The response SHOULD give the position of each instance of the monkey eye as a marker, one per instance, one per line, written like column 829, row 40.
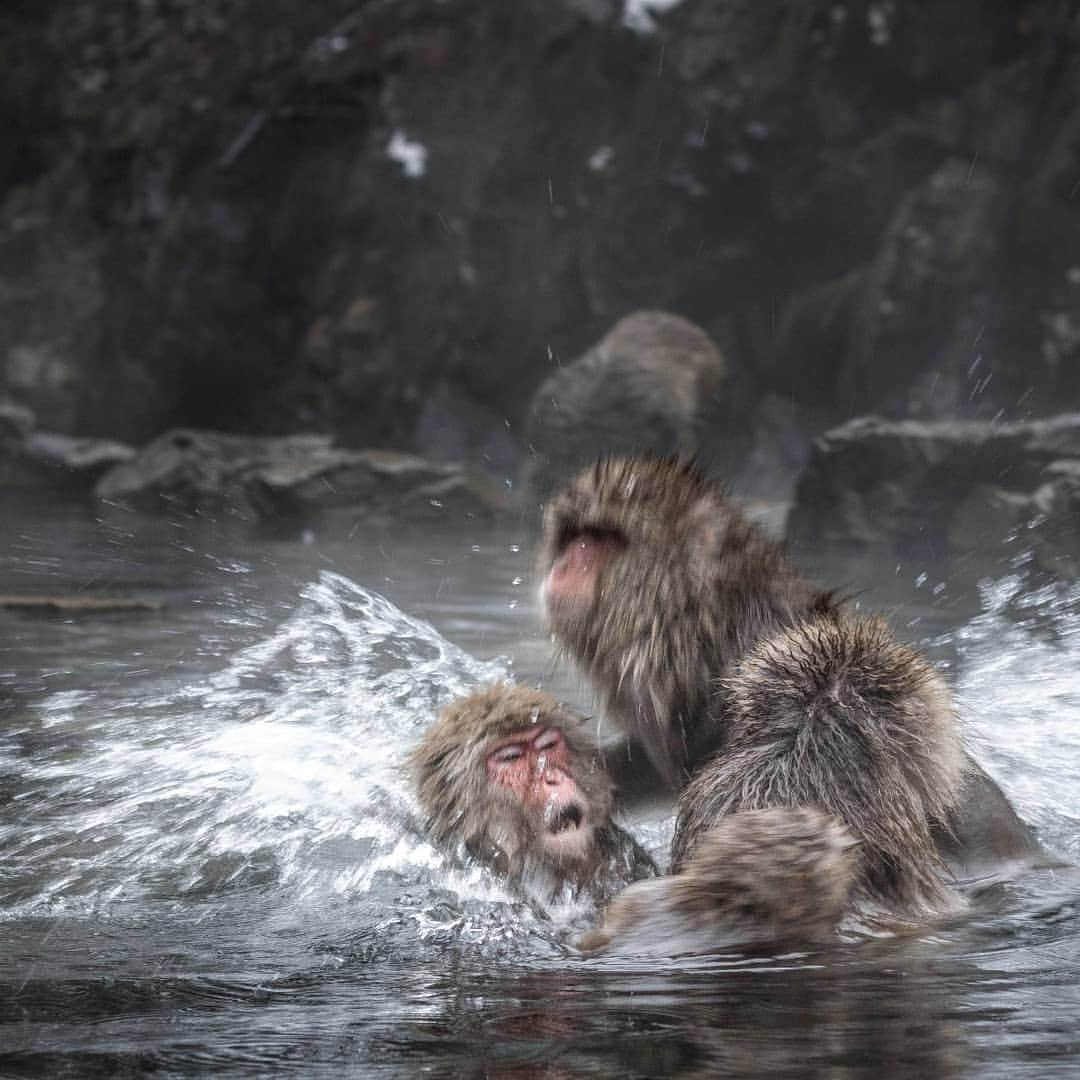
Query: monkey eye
column 567, row 532
column 604, row 536
column 504, row 755
column 547, row 740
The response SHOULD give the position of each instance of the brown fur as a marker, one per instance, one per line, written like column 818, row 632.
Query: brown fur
column 759, row 876
column 696, row 587
column 838, row 714
column 712, row 651
column 462, row 806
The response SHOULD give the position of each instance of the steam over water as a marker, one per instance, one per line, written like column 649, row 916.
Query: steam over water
column 210, row 860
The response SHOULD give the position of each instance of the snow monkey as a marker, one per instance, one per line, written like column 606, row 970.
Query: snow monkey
column 840, row 753
column 740, row 678
column 511, row 774
column 507, row 773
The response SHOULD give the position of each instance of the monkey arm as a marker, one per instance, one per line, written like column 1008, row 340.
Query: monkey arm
column 983, row 835
column 757, row 877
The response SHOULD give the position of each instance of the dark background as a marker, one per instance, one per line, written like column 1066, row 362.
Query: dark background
column 870, row 207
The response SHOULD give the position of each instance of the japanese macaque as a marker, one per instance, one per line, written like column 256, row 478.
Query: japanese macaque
column 656, row 585
column 655, row 383
column 714, row 655
column 511, row 774
column 838, row 715
column 840, row 753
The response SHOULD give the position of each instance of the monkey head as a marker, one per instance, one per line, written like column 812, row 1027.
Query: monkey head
column 601, row 538
column 654, row 582
column 509, row 772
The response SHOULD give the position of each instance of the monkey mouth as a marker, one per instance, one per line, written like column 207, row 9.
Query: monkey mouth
column 564, row 819
column 568, row 835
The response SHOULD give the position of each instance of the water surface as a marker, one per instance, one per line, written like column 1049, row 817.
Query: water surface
column 210, row 862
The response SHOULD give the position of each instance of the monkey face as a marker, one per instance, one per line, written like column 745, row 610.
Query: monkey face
column 628, row 547
column 534, row 769
column 570, row 587
column 513, row 776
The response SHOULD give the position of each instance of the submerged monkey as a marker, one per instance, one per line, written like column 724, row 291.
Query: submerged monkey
column 709, row 649
column 512, row 775
column 778, row 877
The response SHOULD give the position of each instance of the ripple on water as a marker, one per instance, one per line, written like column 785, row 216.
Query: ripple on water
column 285, row 765
column 221, row 871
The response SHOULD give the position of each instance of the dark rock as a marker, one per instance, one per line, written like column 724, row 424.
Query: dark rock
column 915, row 342
column 815, row 329
column 655, row 383
column 16, row 422
column 81, row 461
column 926, row 487
column 1044, row 522
column 44, row 459
column 990, row 515
column 206, row 472
column 254, row 478
column 381, row 220
column 1057, row 532
column 452, row 426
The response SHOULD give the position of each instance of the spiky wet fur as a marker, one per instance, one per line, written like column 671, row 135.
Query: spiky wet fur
column 775, row 876
column 708, row 647
column 696, row 587
column 462, row 806
column 837, row 714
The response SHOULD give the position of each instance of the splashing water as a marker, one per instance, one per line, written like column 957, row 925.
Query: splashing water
column 1019, row 694
column 210, row 860
column 285, row 765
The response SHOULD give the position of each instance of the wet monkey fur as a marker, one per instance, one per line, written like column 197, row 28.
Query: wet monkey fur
column 838, row 715
column 841, row 752
column 509, row 773
column 656, row 585
column 750, row 689
column 759, row 877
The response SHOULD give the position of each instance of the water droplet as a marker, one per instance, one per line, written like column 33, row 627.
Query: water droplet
column 601, row 158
